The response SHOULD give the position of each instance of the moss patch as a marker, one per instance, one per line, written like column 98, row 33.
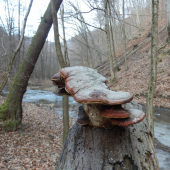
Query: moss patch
column 10, row 117
column 112, row 80
column 4, row 111
column 11, row 125
column 118, row 68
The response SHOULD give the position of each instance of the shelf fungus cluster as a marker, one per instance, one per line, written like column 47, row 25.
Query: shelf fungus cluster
column 101, row 106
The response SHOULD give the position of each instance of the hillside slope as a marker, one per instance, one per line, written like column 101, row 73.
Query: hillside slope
column 136, row 79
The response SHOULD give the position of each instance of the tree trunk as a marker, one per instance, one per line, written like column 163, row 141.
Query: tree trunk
column 19, row 35
column 62, row 65
column 67, row 60
column 42, row 64
column 65, row 116
column 11, row 109
column 108, row 41
column 168, row 18
column 119, row 148
column 136, row 6
column 153, row 72
column 56, row 35
column 124, row 35
column 112, row 38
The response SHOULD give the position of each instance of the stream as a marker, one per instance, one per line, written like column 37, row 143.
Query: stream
column 49, row 99
column 161, row 123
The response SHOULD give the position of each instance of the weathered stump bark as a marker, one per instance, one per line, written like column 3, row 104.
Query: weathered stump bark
column 88, row 148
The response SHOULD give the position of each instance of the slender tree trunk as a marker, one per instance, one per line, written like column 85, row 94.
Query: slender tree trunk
column 108, row 41
column 98, row 14
column 124, row 35
column 153, row 72
column 136, row 6
column 50, row 64
column 19, row 19
column 19, row 6
column 64, row 37
column 112, row 37
column 119, row 148
column 42, row 64
column 113, row 46
column 115, row 30
column 62, row 64
column 168, row 18
column 56, row 35
column 65, row 115
column 11, row 109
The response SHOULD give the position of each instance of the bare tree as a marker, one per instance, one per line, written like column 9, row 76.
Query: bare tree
column 168, row 18
column 62, row 65
column 112, row 36
column 19, row 6
column 5, row 79
column 124, row 34
column 153, row 72
column 11, row 109
column 108, row 41
column 136, row 8
column 19, row 34
column 87, row 37
column 64, row 36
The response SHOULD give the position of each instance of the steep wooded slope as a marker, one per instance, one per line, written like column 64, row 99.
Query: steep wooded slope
column 136, row 79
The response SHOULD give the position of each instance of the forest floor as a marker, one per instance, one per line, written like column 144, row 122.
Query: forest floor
column 36, row 145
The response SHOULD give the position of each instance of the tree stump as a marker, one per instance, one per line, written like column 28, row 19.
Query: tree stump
column 119, row 148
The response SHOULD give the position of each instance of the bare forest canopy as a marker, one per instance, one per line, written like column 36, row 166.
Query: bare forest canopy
column 87, row 44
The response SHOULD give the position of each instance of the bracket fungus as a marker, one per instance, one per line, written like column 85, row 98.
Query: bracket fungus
column 136, row 116
column 62, row 92
column 102, row 106
column 116, row 111
column 83, row 118
column 58, row 81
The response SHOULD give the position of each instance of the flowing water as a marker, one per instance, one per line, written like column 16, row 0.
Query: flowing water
column 49, row 99
column 162, row 135
column 161, row 124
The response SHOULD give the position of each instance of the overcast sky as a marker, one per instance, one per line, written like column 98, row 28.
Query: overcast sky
column 37, row 11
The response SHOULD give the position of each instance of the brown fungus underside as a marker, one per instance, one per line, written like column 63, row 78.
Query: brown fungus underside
column 101, row 105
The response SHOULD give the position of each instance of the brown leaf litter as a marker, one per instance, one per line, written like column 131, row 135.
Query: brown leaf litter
column 36, row 145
